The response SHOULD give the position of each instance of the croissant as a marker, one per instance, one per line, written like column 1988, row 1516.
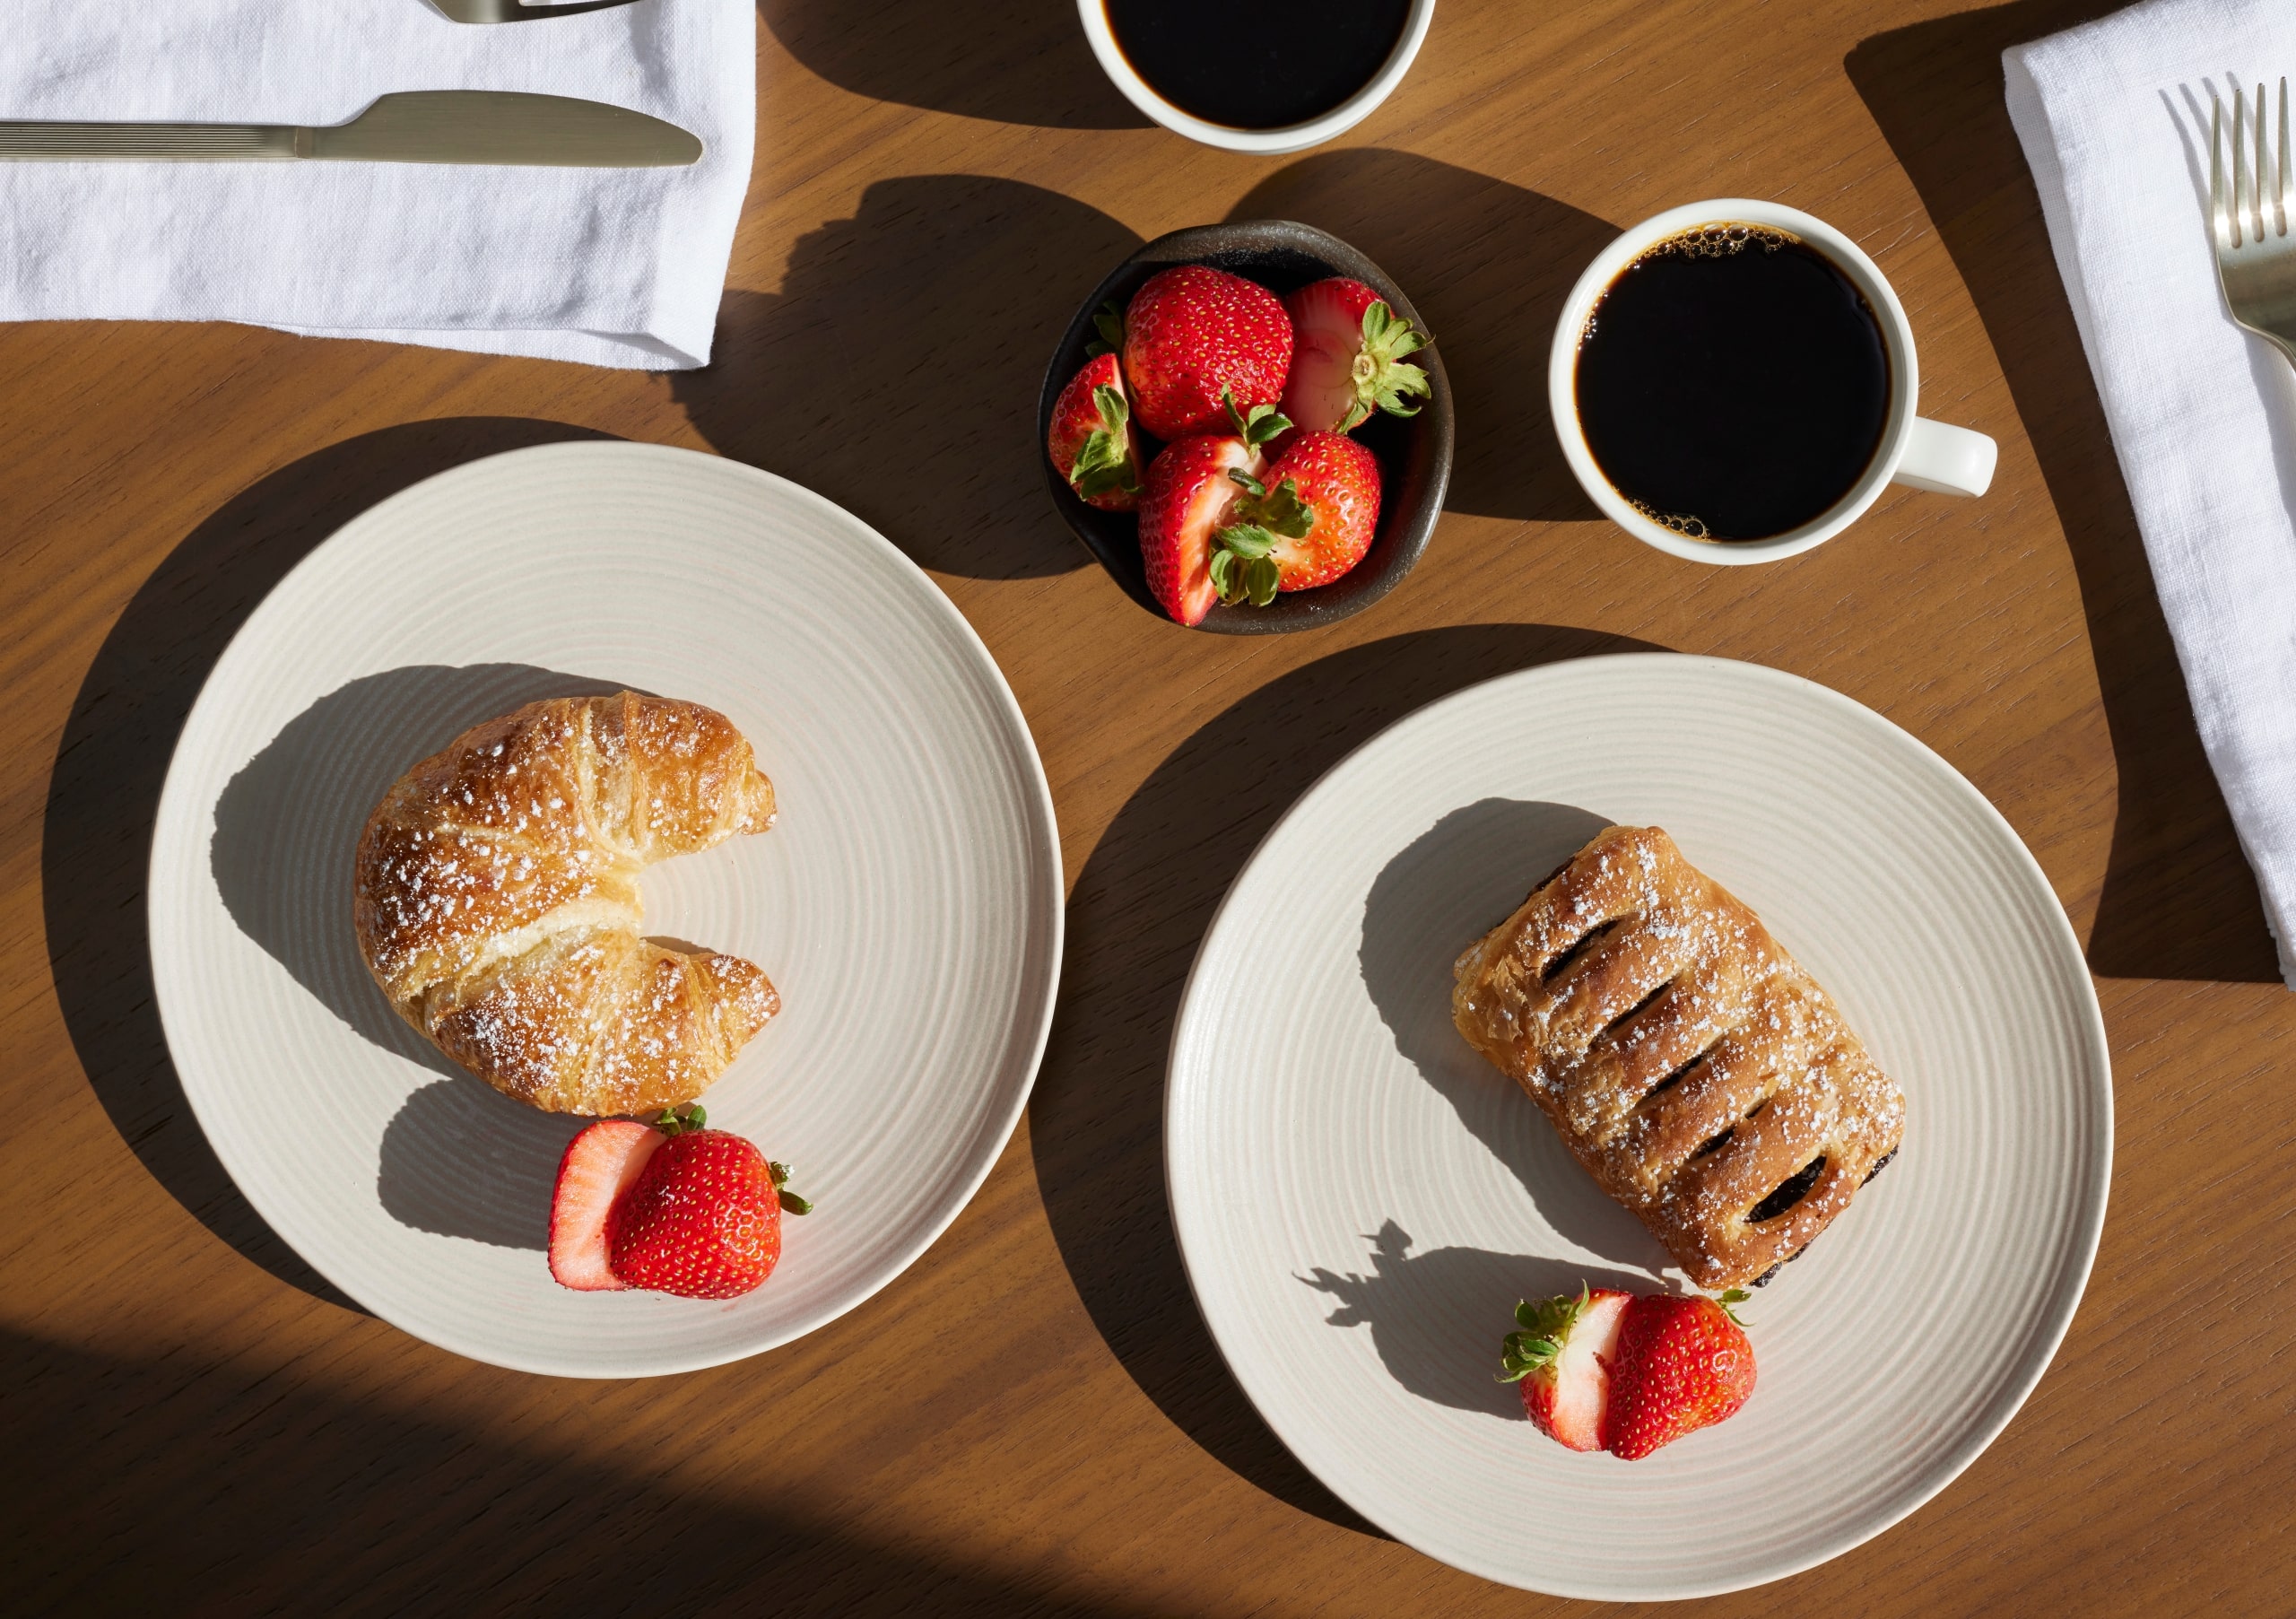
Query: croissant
column 1702, row 1076
column 495, row 897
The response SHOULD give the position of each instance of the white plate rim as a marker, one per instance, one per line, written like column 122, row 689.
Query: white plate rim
column 2042, row 1346
column 174, row 805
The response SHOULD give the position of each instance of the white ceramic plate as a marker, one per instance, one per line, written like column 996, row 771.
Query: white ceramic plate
column 908, row 904
column 1360, row 1200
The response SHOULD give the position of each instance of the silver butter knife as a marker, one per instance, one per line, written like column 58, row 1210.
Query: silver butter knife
column 417, row 126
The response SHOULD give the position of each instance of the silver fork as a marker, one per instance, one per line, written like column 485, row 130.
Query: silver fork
column 513, row 11
column 2256, row 257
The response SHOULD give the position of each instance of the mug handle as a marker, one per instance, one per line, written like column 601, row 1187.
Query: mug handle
column 1946, row 460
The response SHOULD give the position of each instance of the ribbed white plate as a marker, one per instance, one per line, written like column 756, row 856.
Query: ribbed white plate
column 1360, row 1200
column 908, row 905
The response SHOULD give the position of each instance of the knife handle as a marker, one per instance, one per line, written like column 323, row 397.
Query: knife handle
column 44, row 141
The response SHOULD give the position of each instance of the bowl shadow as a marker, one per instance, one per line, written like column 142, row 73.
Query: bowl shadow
column 2178, row 900
column 1135, row 916
column 1426, row 1312
column 112, row 760
column 459, row 1159
column 1443, row 890
column 895, row 369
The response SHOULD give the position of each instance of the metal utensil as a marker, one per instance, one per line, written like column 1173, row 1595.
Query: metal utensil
column 2256, row 257
column 417, row 126
column 516, row 10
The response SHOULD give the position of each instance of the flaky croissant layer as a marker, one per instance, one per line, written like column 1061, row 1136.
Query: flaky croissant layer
column 495, row 897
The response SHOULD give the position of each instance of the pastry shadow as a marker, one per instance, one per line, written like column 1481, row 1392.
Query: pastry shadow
column 458, row 1158
column 1447, row 887
column 1437, row 1318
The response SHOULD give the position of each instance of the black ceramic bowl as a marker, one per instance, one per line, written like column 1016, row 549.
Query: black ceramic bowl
column 1414, row 452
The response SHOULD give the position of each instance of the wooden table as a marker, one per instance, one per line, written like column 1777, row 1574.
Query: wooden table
column 1033, row 1418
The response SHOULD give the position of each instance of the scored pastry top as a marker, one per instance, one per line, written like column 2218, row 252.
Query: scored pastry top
column 1702, row 1076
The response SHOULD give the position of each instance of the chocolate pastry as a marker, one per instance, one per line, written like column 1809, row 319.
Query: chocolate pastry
column 1703, row 1078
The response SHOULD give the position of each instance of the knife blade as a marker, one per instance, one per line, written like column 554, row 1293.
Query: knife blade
column 498, row 126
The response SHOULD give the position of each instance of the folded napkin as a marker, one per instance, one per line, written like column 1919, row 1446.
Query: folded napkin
column 2114, row 116
column 620, row 267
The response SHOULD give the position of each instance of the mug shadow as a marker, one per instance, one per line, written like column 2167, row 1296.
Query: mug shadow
column 1437, row 1318
column 459, row 1159
column 1450, row 885
column 1488, row 265
column 977, row 58
column 2178, row 900
column 896, row 371
column 1135, row 916
column 112, row 760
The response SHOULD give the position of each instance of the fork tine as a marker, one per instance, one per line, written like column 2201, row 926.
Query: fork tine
column 2240, row 166
column 2263, row 167
column 2217, row 222
column 2279, row 190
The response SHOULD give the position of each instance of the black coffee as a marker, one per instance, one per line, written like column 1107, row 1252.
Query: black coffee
column 1733, row 383
column 1264, row 65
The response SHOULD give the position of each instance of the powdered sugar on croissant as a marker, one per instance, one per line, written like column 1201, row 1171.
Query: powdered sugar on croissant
column 496, row 901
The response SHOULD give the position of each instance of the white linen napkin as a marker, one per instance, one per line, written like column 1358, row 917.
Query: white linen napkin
column 619, row 268
column 2114, row 116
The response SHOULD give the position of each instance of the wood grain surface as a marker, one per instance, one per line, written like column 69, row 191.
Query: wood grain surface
column 1033, row 1419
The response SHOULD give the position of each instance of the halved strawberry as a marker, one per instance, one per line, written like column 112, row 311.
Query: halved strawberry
column 1194, row 337
column 1348, row 349
column 1091, row 439
column 1561, row 1358
column 1190, row 490
column 1310, row 520
column 596, row 1168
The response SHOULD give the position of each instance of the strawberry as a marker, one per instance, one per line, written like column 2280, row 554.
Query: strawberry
column 703, row 1219
column 1348, row 357
column 1314, row 525
column 1681, row 1364
column 1091, row 439
column 1193, row 336
column 596, row 1168
column 1563, row 1359
column 1190, row 490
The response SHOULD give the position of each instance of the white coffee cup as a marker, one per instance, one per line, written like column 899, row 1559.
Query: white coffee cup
column 1295, row 137
column 1913, row 450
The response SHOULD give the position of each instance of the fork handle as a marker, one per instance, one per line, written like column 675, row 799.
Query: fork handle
column 1946, row 460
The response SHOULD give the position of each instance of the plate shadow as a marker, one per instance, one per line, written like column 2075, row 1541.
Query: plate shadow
column 1427, row 1310
column 1488, row 265
column 896, row 371
column 2178, row 900
column 1135, row 916
column 458, row 1158
column 1447, row 887
column 112, row 760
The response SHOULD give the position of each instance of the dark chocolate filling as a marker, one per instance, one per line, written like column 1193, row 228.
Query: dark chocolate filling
column 1790, row 1191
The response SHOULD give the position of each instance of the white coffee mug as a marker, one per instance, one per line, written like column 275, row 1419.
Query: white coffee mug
column 1266, row 143
column 1913, row 450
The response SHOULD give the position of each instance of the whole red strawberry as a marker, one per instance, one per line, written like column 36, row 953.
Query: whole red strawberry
column 1091, row 440
column 1348, row 357
column 1309, row 521
column 1193, row 337
column 1681, row 1364
column 703, row 1219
